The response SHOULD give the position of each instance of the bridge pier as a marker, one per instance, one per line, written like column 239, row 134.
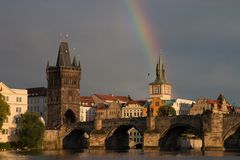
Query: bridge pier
column 97, row 136
column 52, row 140
column 212, row 132
column 150, row 136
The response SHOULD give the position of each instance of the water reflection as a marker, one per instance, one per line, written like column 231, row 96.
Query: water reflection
column 116, row 155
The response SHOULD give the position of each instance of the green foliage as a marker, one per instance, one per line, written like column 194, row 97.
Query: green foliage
column 8, row 145
column 31, row 131
column 5, row 146
column 4, row 110
column 166, row 111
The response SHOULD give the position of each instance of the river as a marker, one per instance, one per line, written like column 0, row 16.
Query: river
column 114, row 155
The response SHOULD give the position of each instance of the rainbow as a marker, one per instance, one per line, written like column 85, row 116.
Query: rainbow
column 144, row 30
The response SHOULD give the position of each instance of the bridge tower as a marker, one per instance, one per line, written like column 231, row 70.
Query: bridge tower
column 63, row 89
column 160, row 88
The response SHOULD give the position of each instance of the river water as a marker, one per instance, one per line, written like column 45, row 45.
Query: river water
column 116, row 155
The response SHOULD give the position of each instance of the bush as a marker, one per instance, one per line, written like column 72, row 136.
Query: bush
column 166, row 111
column 4, row 110
column 31, row 131
column 6, row 146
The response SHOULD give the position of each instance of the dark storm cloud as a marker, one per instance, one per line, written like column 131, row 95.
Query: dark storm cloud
column 200, row 42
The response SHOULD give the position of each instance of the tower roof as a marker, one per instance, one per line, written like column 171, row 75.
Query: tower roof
column 63, row 55
column 160, row 72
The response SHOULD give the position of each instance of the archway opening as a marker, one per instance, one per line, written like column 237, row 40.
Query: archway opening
column 232, row 143
column 124, row 137
column 70, row 116
column 181, row 138
column 77, row 139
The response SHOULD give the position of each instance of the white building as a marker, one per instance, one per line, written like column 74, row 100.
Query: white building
column 37, row 101
column 181, row 106
column 87, row 109
column 133, row 109
column 17, row 100
column 135, row 138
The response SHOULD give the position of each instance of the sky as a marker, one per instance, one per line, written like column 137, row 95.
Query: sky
column 199, row 41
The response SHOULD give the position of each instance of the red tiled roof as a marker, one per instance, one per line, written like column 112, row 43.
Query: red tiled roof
column 219, row 104
column 139, row 102
column 238, row 110
column 101, row 106
column 112, row 97
column 87, row 100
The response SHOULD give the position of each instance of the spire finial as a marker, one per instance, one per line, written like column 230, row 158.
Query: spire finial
column 74, row 63
column 160, row 71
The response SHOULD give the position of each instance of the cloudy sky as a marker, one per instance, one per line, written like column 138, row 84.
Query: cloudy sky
column 199, row 40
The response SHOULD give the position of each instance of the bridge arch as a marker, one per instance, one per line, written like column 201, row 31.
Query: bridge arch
column 117, row 138
column 69, row 116
column 76, row 139
column 178, row 136
column 231, row 138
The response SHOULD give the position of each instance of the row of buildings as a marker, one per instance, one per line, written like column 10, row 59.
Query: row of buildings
column 61, row 101
column 106, row 106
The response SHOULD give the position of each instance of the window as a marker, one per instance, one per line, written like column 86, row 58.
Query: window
column 19, row 99
column 6, row 98
column 18, row 109
column 156, row 90
column 4, row 131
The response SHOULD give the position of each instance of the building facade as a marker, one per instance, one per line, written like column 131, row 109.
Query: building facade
column 133, row 109
column 108, row 111
column 220, row 105
column 160, row 87
column 37, row 101
column 87, row 109
column 63, row 89
column 17, row 100
column 135, row 138
column 181, row 106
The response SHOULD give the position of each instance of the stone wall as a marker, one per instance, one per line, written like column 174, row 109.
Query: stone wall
column 213, row 129
column 52, row 140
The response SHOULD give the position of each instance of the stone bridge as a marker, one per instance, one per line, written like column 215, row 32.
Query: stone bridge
column 217, row 132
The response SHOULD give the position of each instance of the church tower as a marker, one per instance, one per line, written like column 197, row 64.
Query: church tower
column 63, row 89
column 160, row 88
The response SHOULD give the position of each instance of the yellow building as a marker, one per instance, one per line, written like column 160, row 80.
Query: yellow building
column 155, row 103
column 17, row 100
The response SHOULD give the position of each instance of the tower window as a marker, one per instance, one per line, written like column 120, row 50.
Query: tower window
column 156, row 90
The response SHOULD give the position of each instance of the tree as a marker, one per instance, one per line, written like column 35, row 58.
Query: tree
column 31, row 131
column 4, row 110
column 166, row 111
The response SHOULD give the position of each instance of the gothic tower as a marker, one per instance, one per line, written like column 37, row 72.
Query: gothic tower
column 63, row 89
column 160, row 87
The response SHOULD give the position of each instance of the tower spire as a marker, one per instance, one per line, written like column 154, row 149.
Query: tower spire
column 63, row 55
column 160, row 71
